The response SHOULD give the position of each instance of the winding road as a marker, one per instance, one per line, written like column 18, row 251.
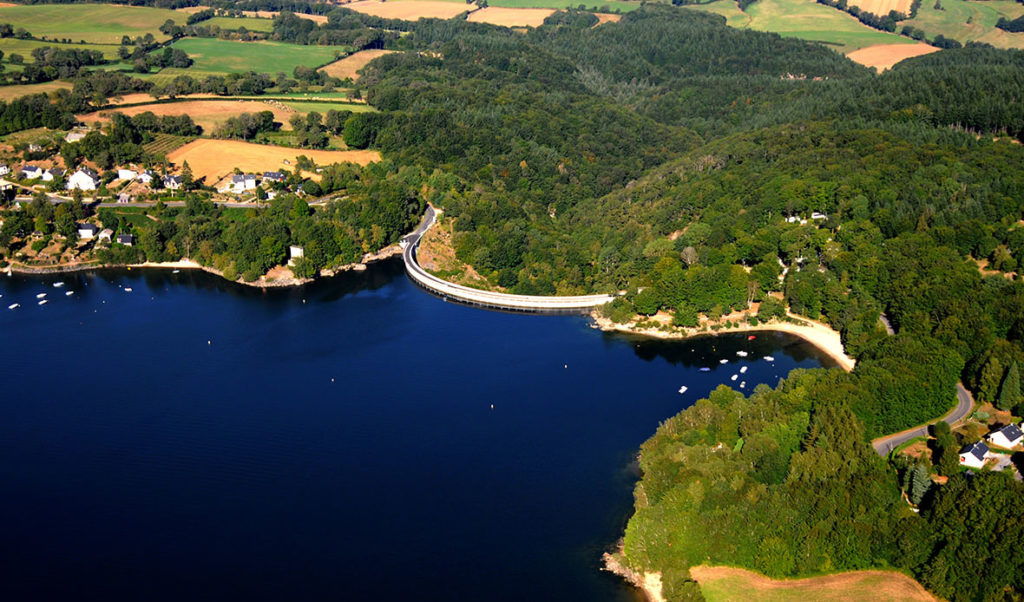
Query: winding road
column 489, row 299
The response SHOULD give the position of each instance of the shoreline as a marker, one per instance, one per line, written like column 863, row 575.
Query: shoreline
column 816, row 333
column 189, row 264
column 648, row 583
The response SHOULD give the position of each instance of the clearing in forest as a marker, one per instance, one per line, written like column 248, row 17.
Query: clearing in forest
column 207, row 114
column 94, row 23
column 883, row 7
column 969, row 21
column 214, row 159
column 411, row 10
column 884, row 56
column 511, row 17
column 803, row 19
column 227, row 56
column 349, row 66
column 722, row 584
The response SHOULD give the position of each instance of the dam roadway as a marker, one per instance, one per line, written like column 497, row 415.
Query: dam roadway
column 488, row 299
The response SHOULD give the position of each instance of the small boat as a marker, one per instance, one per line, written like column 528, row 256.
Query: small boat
column 175, row 271
column 43, row 302
column 723, row 361
column 743, row 370
column 743, row 384
column 733, row 377
column 742, row 353
column 751, row 338
column 682, row 390
column 40, row 295
column 58, row 284
column 705, row 369
column 69, row 293
column 14, row 305
column 769, row 358
column 127, row 289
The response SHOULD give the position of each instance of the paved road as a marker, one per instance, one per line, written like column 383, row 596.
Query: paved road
column 964, row 404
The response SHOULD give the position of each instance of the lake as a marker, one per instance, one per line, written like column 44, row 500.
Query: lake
column 355, row 439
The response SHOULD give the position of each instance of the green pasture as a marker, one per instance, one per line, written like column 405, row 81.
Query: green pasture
column 225, row 56
column 969, row 21
column 94, row 23
column 323, row 107
column 611, row 5
column 25, row 47
column 232, row 23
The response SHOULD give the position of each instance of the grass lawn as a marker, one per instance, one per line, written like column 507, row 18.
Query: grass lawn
column 224, row 56
column 804, row 19
column 611, row 5
column 135, row 216
column 952, row 21
column 725, row 584
column 95, row 23
column 25, row 47
column 323, row 107
column 9, row 93
column 264, row 25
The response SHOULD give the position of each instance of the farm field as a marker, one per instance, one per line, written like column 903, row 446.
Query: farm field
column 884, row 56
column 9, row 93
column 613, row 5
column 302, row 106
column 225, row 56
column 410, row 10
column 350, row 65
column 883, row 7
column 511, row 17
column 804, row 19
column 214, row 159
column 970, row 21
column 266, row 14
column 252, row 24
column 25, row 47
column 165, row 143
column 208, row 114
column 723, row 584
column 94, row 23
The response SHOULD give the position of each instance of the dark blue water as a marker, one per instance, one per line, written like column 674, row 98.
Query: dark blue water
column 193, row 439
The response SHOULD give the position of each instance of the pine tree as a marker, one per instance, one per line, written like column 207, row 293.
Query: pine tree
column 920, row 483
column 991, row 376
column 186, row 176
column 1009, row 394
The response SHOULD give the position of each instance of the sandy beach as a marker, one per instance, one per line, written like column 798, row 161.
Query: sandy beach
column 818, row 334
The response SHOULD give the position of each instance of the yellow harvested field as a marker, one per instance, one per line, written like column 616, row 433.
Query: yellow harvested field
column 603, row 18
column 266, row 14
column 410, row 10
column 9, row 93
column 351, row 64
column 884, row 56
column 511, row 17
column 214, row 159
column 882, row 7
column 722, row 583
column 206, row 113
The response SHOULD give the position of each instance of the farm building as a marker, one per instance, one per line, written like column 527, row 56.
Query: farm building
column 127, row 174
column 87, row 231
column 1009, row 436
column 974, row 455
column 83, row 179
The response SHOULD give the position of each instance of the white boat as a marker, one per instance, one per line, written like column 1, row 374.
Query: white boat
column 682, row 390
column 705, row 369
column 769, row 358
column 743, row 384
column 733, row 377
column 40, row 295
column 723, row 361
column 69, row 293
column 175, row 271
column 43, row 302
column 743, row 370
column 58, row 284
column 742, row 353
column 13, row 305
column 127, row 289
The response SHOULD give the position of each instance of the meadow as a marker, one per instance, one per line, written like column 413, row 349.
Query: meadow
column 612, row 5
column 9, row 93
column 970, row 21
column 803, row 19
column 232, row 23
column 723, row 584
column 93, row 23
column 25, row 47
column 349, row 66
column 224, row 56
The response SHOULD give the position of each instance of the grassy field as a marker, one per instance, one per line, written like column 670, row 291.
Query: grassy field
column 264, row 25
column 725, row 584
column 611, row 5
column 95, row 23
column 804, row 19
column 25, row 47
column 9, row 93
column 970, row 21
column 351, row 64
column 323, row 107
column 223, row 56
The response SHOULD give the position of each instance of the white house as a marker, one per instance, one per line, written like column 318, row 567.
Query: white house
column 74, row 136
column 243, row 182
column 124, row 239
column 817, row 215
column 31, row 172
column 127, row 174
column 4, row 170
column 273, row 176
column 172, row 182
column 1007, row 437
column 87, row 230
column 105, row 234
column 51, row 174
column 124, row 198
column 974, row 455
column 294, row 252
column 83, row 179
column 146, row 177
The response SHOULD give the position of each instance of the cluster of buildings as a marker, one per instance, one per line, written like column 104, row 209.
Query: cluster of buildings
column 977, row 454
column 87, row 231
column 248, row 182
